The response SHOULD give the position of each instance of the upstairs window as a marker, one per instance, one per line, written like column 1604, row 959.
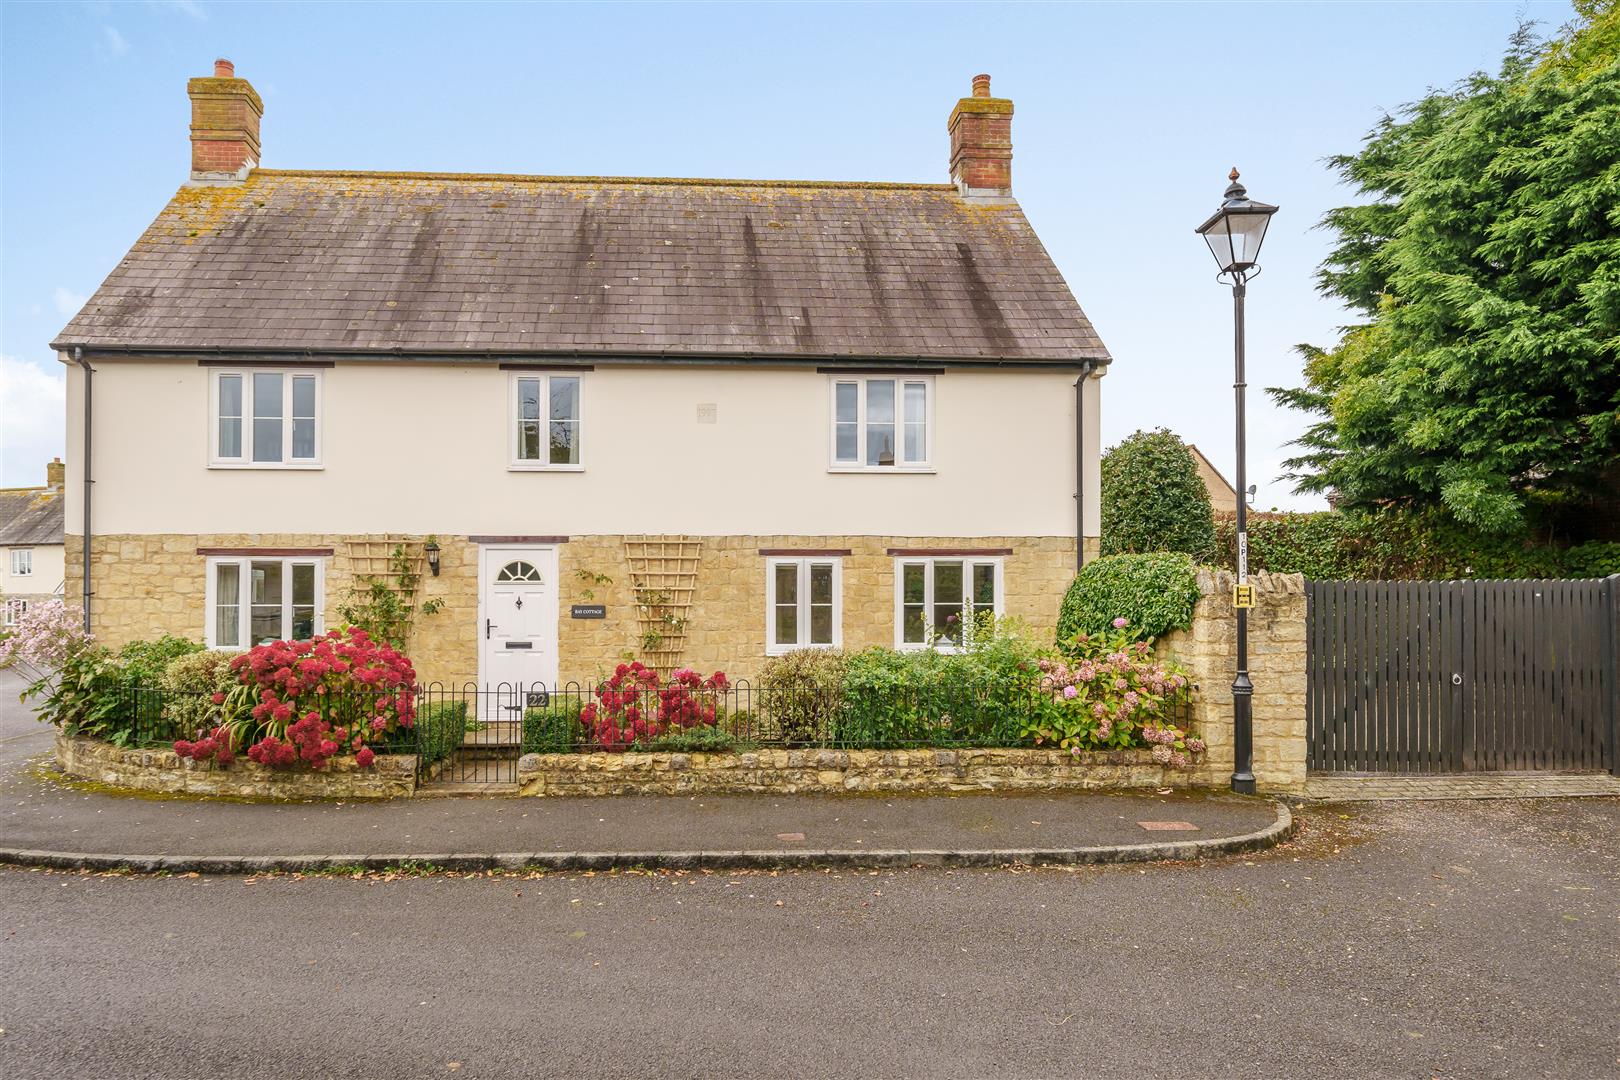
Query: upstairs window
column 266, row 419
column 803, row 604
column 934, row 597
column 545, row 421
column 882, row 424
column 22, row 562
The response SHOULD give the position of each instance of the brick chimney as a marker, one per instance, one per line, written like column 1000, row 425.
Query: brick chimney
column 55, row 473
column 981, row 142
column 225, row 114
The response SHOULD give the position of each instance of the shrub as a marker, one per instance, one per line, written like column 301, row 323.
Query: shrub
column 1153, row 498
column 79, row 685
column 1320, row 546
column 440, row 728
column 635, row 706
column 1113, row 693
column 311, row 700
column 1154, row 593
column 554, row 728
column 1397, row 543
column 699, row 740
column 981, row 696
column 189, row 684
column 144, row 662
column 1597, row 559
column 801, row 692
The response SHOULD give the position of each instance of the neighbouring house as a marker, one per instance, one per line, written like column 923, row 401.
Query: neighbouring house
column 701, row 421
column 1222, row 495
column 31, row 544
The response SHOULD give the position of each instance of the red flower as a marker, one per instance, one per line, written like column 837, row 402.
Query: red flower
column 364, row 757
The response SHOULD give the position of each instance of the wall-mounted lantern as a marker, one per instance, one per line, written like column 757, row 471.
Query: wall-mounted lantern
column 431, row 549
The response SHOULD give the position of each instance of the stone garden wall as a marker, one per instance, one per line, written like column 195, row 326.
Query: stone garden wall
column 159, row 770
column 832, row 771
column 1276, row 667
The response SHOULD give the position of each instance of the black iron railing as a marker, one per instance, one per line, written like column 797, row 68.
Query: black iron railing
column 472, row 732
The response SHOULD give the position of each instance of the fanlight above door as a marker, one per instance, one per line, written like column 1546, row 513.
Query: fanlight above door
column 518, row 571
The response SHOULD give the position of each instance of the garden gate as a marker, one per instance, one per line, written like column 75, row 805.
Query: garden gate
column 1462, row 676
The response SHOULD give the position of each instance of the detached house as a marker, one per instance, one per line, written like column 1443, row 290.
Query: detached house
column 702, row 421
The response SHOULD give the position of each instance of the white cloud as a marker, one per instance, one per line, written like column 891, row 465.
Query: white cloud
column 114, row 41
column 33, row 404
column 67, row 301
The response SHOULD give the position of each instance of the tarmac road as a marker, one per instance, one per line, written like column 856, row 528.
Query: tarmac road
column 1400, row 940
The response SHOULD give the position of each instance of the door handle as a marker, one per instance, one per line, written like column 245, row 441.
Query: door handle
column 487, row 627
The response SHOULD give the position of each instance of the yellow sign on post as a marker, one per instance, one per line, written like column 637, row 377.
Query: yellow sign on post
column 1243, row 596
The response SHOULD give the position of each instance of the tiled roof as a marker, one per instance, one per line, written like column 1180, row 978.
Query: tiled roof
column 433, row 264
column 30, row 516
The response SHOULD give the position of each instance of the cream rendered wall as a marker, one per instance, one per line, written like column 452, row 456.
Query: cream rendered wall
column 47, row 575
column 418, row 448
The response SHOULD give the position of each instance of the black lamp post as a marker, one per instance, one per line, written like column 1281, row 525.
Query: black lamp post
column 1234, row 234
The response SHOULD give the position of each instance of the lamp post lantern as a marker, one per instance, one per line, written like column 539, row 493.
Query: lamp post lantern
column 1234, row 234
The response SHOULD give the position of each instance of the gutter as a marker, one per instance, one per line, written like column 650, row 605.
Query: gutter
column 89, row 416
column 218, row 354
column 1080, row 465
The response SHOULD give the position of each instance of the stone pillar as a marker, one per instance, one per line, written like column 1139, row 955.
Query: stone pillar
column 1276, row 665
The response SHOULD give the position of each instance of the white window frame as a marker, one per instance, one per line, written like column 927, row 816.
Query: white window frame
column 928, row 562
column 25, row 562
column 16, row 607
column 517, row 464
column 930, row 423
column 244, row 460
column 803, row 562
column 244, row 580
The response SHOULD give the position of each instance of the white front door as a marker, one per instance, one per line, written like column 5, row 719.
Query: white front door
column 517, row 617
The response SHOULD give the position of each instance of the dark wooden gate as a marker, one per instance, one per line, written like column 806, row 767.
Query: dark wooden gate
column 1462, row 676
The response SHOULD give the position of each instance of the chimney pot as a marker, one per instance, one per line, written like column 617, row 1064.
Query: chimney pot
column 225, row 113
column 981, row 142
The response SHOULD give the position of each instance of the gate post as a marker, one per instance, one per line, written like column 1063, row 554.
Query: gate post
column 1611, row 667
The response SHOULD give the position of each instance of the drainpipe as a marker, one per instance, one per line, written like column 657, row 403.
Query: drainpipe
column 1080, row 466
column 89, row 415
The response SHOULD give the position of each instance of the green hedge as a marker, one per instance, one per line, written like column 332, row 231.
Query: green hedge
column 1153, row 498
column 440, row 728
column 1399, row 544
column 554, row 728
column 1156, row 592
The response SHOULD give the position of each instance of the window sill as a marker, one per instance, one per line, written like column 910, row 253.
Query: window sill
column 783, row 650
column 912, row 646
column 525, row 467
column 881, row 470
column 268, row 466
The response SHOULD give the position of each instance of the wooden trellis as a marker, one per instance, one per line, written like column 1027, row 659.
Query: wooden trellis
column 373, row 559
column 663, row 576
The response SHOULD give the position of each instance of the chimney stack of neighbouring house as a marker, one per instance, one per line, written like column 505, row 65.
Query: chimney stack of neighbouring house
column 981, row 142
column 225, row 114
column 55, row 473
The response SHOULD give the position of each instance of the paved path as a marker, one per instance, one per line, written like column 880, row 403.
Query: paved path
column 38, row 813
column 1454, row 940
column 1467, row 786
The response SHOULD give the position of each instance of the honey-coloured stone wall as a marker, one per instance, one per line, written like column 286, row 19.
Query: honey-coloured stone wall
column 1277, row 645
column 147, row 585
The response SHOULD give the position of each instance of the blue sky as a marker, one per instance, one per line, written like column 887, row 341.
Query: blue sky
column 1128, row 118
